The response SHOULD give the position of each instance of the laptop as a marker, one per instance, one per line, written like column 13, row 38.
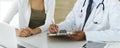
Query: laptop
column 7, row 36
column 91, row 44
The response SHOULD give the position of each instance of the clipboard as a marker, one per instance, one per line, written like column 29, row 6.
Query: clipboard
column 60, row 33
column 60, row 36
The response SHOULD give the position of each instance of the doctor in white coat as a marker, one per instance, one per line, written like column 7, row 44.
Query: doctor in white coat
column 103, row 23
column 23, row 7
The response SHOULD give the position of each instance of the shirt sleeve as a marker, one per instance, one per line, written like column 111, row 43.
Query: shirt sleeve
column 50, row 7
column 11, row 12
column 69, row 23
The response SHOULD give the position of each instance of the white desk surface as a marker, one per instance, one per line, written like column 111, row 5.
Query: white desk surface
column 42, row 41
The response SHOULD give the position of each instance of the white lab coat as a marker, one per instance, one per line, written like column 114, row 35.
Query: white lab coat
column 24, row 9
column 107, row 27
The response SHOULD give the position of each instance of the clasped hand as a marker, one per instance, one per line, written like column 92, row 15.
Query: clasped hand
column 25, row 32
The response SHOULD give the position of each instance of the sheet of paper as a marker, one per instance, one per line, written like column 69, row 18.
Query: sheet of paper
column 60, row 33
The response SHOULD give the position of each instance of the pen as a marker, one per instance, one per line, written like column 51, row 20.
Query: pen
column 54, row 26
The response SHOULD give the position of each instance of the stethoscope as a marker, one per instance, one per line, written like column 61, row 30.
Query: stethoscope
column 102, row 3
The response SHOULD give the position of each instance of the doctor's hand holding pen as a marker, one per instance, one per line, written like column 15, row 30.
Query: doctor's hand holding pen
column 53, row 28
column 76, row 35
column 25, row 32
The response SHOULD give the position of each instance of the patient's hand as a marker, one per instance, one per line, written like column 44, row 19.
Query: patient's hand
column 22, row 32
column 34, row 31
column 25, row 32
column 53, row 28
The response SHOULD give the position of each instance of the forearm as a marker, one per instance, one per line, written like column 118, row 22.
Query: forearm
column 36, row 31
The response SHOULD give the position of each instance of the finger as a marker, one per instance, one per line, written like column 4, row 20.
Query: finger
column 27, row 28
column 53, row 29
column 20, row 33
column 23, row 33
column 24, row 30
column 56, row 28
column 28, row 32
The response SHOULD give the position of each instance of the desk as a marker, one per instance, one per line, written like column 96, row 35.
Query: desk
column 42, row 41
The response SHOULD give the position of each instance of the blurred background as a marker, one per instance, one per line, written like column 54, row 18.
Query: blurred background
column 62, row 8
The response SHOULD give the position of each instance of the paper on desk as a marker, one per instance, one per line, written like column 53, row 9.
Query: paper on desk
column 59, row 34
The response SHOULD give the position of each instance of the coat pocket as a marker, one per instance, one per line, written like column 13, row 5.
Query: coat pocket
column 98, row 17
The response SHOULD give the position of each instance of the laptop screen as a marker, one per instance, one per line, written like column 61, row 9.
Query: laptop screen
column 7, row 36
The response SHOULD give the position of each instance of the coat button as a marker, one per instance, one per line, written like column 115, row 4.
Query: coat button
column 95, row 22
